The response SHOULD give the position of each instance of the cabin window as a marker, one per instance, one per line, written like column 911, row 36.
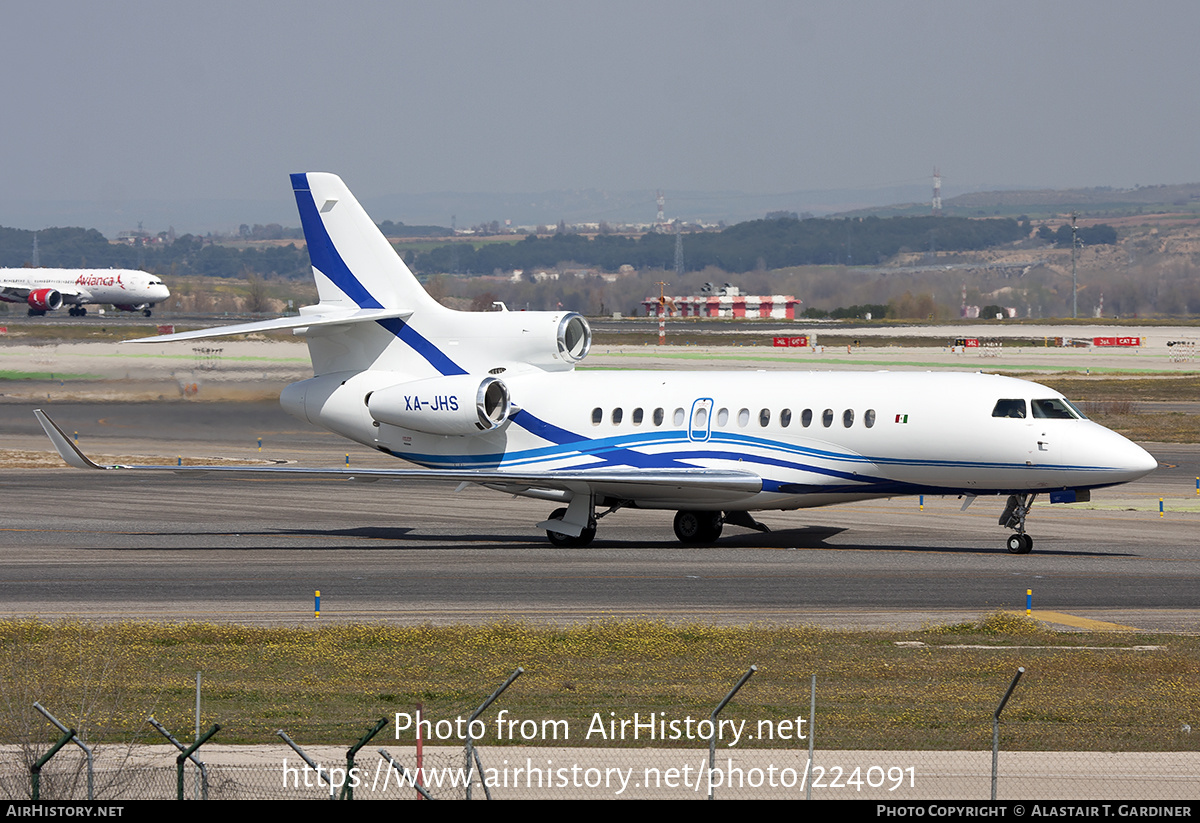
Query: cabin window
column 869, row 418
column 764, row 418
column 1014, row 407
column 597, row 416
column 744, row 418
column 848, row 418
column 637, row 417
column 617, row 414
column 679, row 417
column 700, row 418
column 806, row 418
column 827, row 418
column 785, row 418
column 659, row 416
column 1052, row 409
column 723, row 417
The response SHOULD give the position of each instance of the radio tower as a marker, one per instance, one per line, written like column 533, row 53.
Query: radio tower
column 661, row 202
column 937, row 192
column 679, row 248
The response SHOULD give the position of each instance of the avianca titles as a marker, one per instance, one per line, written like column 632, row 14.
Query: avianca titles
column 50, row 289
column 496, row 399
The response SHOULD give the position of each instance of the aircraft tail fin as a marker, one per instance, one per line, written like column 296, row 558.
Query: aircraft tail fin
column 354, row 265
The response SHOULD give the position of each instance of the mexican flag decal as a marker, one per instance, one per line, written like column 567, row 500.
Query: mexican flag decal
column 902, row 418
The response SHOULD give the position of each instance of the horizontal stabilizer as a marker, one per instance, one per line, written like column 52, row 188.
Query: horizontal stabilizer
column 302, row 321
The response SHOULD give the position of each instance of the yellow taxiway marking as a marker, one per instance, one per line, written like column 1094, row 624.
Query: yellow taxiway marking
column 1081, row 622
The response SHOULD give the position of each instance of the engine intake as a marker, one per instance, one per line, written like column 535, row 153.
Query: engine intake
column 45, row 300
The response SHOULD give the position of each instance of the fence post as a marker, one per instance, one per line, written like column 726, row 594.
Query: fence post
column 199, row 763
column 187, row 753
column 35, row 771
column 86, row 749
column 812, row 737
column 712, row 741
column 316, row 767
column 996, row 727
column 347, row 787
column 470, row 747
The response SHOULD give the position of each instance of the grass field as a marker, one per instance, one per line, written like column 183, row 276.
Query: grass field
column 929, row 689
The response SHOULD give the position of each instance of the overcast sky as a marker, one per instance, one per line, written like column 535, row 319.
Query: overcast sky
column 129, row 100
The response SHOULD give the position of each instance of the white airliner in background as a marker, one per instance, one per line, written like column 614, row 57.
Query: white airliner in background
column 495, row 399
column 50, row 289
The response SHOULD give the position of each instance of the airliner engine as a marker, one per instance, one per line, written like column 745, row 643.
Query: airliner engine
column 45, row 300
column 551, row 341
column 456, row 405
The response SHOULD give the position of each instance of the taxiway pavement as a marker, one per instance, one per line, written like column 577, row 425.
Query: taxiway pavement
column 166, row 547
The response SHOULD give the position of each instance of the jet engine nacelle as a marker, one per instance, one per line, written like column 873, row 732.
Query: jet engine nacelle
column 45, row 300
column 552, row 341
column 131, row 306
column 456, row 405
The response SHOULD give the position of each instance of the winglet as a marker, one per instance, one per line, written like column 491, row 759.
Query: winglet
column 67, row 450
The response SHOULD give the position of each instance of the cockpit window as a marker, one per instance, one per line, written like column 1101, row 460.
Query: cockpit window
column 1052, row 409
column 1009, row 408
column 1075, row 409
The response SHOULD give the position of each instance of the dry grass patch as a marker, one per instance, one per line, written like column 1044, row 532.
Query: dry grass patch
column 328, row 684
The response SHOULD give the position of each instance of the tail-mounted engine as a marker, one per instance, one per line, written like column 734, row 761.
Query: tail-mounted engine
column 553, row 341
column 45, row 300
column 456, row 405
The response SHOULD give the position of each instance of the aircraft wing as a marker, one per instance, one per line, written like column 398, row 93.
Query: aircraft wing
column 20, row 291
column 642, row 484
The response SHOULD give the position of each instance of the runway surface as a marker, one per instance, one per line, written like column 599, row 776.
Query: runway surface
column 112, row 546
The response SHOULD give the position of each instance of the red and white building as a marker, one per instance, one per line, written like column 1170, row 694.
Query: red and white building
column 728, row 304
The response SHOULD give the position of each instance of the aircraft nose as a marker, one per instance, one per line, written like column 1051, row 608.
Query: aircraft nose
column 1127, row 458
column 1139, row 461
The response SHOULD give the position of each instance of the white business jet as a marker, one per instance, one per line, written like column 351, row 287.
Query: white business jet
column 495, row 399
column 50, row 289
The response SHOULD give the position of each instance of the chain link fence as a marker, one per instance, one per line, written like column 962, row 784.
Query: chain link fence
column 543, row 772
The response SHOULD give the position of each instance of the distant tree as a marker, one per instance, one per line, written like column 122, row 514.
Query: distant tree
column 258, row 298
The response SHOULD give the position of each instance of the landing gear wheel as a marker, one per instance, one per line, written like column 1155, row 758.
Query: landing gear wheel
column 698, row 527
column 1020, row 543
column 565, row 541
column 146, row 312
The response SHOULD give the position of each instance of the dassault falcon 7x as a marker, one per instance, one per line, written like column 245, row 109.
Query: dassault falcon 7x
column 50, row 289
column 495, row 399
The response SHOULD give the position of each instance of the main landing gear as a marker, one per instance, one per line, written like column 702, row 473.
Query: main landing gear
column 694, row 527
column 691, row 527
column 1013, row 517
column 566, row 541
column 78, row 311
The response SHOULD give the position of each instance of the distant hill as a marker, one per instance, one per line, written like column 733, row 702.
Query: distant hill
column 1102, row 201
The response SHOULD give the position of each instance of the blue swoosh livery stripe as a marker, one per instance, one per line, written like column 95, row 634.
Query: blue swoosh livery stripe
column 324, row 256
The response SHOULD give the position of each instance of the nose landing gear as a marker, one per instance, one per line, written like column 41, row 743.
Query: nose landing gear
column 1015, row 512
